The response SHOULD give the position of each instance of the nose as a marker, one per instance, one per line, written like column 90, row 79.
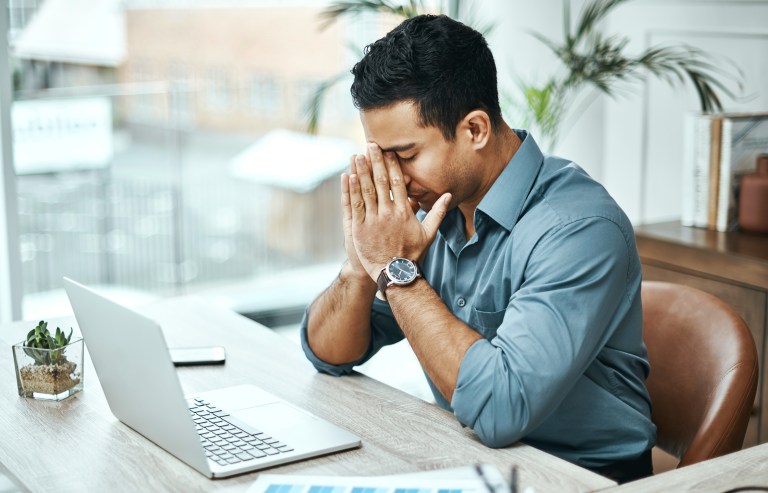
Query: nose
column 407, row 179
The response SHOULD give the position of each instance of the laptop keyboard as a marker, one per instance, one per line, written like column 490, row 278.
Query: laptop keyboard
column 227, row 440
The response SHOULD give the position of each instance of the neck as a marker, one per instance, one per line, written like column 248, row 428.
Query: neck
column 502, row 146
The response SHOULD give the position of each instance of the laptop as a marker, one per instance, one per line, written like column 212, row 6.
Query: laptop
column 219, row 433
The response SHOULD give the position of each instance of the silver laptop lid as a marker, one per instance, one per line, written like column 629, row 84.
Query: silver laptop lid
column 135, row 370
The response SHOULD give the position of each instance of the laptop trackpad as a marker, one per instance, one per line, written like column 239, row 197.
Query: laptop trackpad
column 277, row 418
column 297, row 428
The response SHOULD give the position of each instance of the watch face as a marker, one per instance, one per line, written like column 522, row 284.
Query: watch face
column 401, row 270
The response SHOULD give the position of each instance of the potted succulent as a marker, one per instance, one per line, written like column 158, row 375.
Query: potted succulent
column 49, row 366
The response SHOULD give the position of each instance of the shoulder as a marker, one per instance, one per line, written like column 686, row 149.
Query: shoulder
column 565, row 197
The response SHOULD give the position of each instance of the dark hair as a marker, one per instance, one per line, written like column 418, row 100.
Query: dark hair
column 443, row 66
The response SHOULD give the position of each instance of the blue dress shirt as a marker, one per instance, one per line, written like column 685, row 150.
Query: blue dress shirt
column 551, row 280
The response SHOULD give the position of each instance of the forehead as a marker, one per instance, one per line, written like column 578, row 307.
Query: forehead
column 396, row 125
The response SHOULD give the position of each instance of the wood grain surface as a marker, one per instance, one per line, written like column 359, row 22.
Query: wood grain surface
column 78, row 445
column 742, row 469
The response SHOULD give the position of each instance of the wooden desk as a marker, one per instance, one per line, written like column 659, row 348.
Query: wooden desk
column 77, row 445
column 748, row 467
column 732, row 266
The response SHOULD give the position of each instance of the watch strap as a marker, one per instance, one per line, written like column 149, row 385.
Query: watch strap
column 382, row 282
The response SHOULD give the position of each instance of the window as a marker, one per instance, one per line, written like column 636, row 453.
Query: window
column 146, row 197
column 266, row 95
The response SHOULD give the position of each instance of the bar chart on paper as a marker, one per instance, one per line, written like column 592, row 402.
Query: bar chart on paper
column 303, row 488
column 457, row 480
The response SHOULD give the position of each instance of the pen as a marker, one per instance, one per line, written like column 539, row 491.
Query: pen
column 481, row 474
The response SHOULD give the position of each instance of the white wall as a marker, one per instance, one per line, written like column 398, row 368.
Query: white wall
column 652, row 152
column 520, row 56
column 633, row 144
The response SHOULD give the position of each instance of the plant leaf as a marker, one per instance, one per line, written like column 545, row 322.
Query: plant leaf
column 352, row 8
column 314, row 105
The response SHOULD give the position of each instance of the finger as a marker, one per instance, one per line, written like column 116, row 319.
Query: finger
column 380, row 176
column 396, row 181
column 356, row 203
column 367, row 189
column 345, row 201
column 435, row 216
column 414, row 205
column 346, row 209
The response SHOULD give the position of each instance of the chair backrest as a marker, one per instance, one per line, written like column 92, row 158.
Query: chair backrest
column 704, row 371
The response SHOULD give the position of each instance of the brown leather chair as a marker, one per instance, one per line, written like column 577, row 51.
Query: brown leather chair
column 703, row 371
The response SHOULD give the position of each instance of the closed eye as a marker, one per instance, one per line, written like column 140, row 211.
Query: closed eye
column 406, row 159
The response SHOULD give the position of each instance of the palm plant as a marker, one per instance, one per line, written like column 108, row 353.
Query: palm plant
column 589, row 58
column 592, row 59
column 352, row 8
column 334, row 11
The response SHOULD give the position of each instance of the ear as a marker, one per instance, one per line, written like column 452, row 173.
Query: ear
column 475, row 128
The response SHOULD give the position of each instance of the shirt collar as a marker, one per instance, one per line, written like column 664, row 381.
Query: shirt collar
column 504, row 201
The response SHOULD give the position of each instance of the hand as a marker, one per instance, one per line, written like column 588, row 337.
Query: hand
column 384, row 227
column 354, row 262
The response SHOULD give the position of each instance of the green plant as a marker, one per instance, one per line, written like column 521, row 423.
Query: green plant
column 589, row 58
column 44, row 348
column 593, row 59
column 351, row 8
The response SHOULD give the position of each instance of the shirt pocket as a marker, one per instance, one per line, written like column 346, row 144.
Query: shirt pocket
column 486, row 322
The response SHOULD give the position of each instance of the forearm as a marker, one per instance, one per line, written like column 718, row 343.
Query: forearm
column 437, row 337
column 338, row 322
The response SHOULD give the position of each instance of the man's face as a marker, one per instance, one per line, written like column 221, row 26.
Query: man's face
column 431, row 165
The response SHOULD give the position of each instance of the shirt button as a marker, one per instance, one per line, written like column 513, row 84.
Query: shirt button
column 461, row 302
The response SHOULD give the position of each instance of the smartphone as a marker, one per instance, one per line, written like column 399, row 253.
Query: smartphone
column 192, row 356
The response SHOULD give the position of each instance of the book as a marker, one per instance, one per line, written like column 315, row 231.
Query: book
column 695, row 169
column 688, row 204
column 743, row 137
column 716, row 130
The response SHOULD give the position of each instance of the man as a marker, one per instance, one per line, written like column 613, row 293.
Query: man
column 525, row 311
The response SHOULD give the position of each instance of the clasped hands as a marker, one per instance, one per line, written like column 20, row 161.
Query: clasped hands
column 379, row 219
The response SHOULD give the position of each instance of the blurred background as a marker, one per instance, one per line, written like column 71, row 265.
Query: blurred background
column 139, row 145
column 162, row 147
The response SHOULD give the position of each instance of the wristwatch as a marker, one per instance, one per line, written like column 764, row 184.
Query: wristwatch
column 400, row 271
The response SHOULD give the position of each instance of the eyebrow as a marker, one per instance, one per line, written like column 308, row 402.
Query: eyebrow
column 400, row 148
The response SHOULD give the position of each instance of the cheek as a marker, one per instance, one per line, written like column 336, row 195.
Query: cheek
column 428, row 172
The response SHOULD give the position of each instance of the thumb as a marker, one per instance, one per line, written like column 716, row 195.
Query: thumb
column 414, row 205
column 435, row 216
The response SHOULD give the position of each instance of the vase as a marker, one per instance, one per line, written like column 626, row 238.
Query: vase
column 753, row 198
column 49, row 374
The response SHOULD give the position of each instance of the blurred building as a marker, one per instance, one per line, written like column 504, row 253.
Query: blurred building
column 66, row 43
column 238, row 69
column 188, row 86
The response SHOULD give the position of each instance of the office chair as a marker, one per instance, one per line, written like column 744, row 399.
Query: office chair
column 704, row 371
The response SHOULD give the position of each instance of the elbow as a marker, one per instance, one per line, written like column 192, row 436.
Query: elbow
column 334, row 371
column 500, row 425
column 497, row 438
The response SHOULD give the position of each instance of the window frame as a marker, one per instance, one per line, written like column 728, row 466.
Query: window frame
column 10, row 262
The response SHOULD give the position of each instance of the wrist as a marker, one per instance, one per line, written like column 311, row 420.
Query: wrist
column 351, row 275
column 395, row 291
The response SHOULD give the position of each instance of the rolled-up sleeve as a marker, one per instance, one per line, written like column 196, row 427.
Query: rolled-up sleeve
column 553, row 327
column 384, row 331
